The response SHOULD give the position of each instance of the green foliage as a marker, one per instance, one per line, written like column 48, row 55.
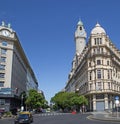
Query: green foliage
column 79, row 100
column 68, row 100
column 7, row 114
column 35, row 100
column 23, row 94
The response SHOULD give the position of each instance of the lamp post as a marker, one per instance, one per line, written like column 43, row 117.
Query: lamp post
column 77, row 106
column 117, row 103
column 22, row 107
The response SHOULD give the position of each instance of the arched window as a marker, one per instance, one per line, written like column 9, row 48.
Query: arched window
column 80, row 28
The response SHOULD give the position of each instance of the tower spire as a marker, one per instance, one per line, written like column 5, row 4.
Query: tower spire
column 80, row 37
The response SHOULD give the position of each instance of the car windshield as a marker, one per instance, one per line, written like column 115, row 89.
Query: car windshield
column 23, row 116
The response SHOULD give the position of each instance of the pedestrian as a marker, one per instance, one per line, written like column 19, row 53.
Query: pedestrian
column 80, row 110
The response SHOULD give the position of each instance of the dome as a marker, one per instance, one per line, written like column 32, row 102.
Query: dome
column 98, row 30
column 80, row 23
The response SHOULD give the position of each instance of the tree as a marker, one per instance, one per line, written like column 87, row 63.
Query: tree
column 62, row 100
column 68, row 100
column 78, row 101
column 35, row 100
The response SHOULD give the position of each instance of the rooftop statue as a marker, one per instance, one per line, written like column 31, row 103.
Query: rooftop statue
column 9, row 25
column 3, row 23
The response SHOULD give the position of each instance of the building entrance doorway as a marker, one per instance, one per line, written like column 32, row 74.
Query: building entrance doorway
column 100, row 106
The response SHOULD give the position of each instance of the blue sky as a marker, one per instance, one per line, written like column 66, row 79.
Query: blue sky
column 46, row 31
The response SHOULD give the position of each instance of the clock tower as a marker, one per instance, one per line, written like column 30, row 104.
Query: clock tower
column 6, row 31
column 80, row 38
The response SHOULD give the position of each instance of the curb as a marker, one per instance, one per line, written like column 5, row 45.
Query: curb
column 1, row 118
column 103, row 118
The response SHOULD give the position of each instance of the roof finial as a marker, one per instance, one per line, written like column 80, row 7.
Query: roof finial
column 80, row 22
column 3, row 23
column 97, row 24
column 9, row 25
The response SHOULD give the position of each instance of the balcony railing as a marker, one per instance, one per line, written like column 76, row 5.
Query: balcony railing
column 98, row 53
column 103, row 91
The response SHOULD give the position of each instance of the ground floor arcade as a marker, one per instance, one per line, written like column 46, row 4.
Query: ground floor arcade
column 101, row 102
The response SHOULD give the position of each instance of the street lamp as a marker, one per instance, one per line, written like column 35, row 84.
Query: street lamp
column 117, row 103
column 22, row 107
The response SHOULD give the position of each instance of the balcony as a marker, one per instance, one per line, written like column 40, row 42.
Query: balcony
column 105, row 54
column 102, row 91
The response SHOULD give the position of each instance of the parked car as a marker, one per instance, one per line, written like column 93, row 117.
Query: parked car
column 24, row 117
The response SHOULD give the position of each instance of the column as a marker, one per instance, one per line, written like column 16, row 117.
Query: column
column 94, row 102
column 90, row 103
column 94, row 86
column 106, row 101
column 111, row 104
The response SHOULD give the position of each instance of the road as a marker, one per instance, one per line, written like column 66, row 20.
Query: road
column 60, row 119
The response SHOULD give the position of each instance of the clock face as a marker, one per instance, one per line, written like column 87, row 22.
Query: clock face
column 6, row 33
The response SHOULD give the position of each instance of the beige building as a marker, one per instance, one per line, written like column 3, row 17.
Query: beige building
column 95, row 69
column 16, row 74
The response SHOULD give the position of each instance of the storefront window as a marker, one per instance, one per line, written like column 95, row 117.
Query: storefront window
column 2, row 101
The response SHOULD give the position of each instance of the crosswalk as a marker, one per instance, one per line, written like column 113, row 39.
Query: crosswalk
column 52, row 114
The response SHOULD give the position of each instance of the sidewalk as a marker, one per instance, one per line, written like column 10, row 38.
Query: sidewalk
column 104, row 116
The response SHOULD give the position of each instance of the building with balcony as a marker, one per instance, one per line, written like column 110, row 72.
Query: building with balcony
column 95, row 69
column 16, row 74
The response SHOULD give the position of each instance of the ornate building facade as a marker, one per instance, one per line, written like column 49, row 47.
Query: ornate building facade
column 95, row 69
column 16, row 74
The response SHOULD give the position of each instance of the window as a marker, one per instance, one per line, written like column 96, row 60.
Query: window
column 91, row 86
column 99, row 96
column 4, row 43
column 108, row 73
column 116, row 72
column 2, row 67
column 2, row 75
column 108, row 63
column 3, row 51
column 109, row 85
column 98, row 50
column 1, row 83
column 99, row 74
column 114, row 87
column 3, row 59
column 2, row 101
column 80, row 28
column 118, row 76
column 102, row 50
column 98, row 87
column 98, row 62
column 89, row 64
column 97, row 41
column 90, row 75
column 102, row 62
column 100, row 40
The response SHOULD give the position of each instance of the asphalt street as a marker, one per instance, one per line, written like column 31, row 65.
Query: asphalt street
column 60, row 119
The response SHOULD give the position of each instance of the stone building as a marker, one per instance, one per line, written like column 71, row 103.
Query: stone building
column 16, row 74
column 95, row 69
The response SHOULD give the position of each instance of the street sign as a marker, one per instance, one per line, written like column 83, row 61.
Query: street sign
column 116, row 97
column 116, row 102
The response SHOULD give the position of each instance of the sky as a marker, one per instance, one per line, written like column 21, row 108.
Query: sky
column 46, row 32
